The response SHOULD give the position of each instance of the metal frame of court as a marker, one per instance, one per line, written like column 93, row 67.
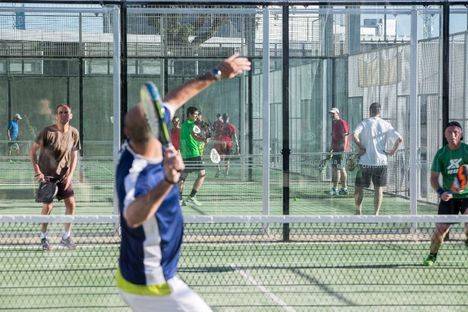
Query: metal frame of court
column 120, row 9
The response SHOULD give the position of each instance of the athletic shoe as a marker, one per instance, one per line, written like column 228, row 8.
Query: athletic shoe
column 67, row 243
column 333, row 191
column 192, row 201
column 343, row 191
column 45, row 244
column 430, row 260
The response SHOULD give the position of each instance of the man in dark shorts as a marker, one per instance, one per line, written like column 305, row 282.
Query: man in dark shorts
column 190, row 138
column 372, row 136
column 225, row 143
column 339, row 145
column 446, row 163
column 58, row 147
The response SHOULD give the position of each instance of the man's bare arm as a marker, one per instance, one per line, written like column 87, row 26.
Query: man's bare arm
column 435, row 180
column 33, row 157
column 145, row 206
column 396, row 145
column 230, row 68
column 74, row 162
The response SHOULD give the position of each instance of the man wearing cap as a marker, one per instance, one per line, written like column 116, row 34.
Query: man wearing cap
column 13, row 132
column 339, row 145
column 446, row 163
column 372, row 136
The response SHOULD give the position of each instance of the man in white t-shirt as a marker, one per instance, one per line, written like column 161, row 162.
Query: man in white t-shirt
column 372, row 136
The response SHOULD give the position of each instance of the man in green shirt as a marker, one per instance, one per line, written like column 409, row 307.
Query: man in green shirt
column 190, row 138
column 446, row 162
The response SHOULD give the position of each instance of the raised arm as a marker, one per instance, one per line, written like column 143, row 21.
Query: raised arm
column 229, row 68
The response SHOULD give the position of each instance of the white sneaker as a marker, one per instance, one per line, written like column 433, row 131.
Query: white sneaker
column 333, row 191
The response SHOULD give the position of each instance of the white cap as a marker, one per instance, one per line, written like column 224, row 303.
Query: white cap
column 334, row 110
column 18, row 116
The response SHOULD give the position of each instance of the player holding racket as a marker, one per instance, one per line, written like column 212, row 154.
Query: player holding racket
column 191, row 138
column 225, row 143
column 58, row 147
column 151, row 217
column 447, row 161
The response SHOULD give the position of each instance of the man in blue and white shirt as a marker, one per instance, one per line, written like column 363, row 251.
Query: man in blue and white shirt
column 150, row 214
column 373, row 136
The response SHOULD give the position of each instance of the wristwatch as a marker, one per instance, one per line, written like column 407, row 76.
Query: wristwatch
column 216, row 74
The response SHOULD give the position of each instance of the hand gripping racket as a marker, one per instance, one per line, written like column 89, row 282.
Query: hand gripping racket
column 152, row 105
column 47, row 190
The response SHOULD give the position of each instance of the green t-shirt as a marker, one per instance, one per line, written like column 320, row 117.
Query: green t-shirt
column 447, row 162
column 189, row 147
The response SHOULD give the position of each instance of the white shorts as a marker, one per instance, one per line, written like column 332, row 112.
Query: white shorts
column 182, row 298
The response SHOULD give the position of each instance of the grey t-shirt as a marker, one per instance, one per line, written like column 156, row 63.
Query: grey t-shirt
column 56, row 149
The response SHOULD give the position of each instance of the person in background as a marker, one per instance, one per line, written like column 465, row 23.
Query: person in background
column 226, row 140
column 190, row 140
column 12, row 134
column 58, row 147
column 371, row 137
column 175, row 133
column 339, row 146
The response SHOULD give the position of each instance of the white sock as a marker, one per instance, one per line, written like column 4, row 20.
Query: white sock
column 66, row 235
column 43, row 235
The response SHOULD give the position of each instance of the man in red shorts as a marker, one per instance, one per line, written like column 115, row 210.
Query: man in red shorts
column 225, row 143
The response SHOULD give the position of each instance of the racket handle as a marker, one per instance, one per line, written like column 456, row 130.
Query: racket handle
column 170, row 149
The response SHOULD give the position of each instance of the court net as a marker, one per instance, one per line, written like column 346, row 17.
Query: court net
column 260, row 263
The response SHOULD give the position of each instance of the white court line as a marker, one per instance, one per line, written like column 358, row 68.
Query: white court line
column 245, row 274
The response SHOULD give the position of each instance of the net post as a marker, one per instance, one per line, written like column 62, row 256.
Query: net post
column 414, row 141
column 117, row 95
column 285, row 99
column 266, row 112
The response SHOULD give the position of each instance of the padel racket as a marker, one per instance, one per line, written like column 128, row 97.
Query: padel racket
column 461, row 179
column 153, row 107
column 214, row 156
column 352, row 162
column 47, row 190
column 324, row 162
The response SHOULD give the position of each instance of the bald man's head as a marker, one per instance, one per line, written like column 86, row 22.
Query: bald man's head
column 136, row 125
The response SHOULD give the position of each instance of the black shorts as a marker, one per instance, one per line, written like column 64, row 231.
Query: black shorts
column 453, row 206
column 338, row 161
column 193, row 164
column 378, row 175
column 63, row 193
